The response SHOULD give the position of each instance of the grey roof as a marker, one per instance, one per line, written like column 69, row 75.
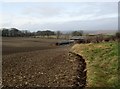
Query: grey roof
column 77, row 37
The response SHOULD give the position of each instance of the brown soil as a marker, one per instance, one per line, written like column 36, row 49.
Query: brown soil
column 38, row 63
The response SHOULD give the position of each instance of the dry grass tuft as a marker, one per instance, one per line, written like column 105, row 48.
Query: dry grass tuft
column 102, row 63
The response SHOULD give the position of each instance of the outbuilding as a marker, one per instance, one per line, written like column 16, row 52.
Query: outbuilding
column 78, row 39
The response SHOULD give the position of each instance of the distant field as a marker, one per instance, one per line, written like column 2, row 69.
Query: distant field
column 102, row 63
column 20, row 44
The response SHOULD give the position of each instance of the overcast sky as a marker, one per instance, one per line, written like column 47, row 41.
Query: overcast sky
column 64, row 16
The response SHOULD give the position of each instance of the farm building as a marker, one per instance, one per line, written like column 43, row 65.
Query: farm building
column 78, row 39
column 65, row 42
column 74, row 39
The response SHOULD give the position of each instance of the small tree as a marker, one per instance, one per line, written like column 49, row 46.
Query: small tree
column 5, row 32
column 58, row 34
column 77, row 33
column 117, row 35
column 14, row 32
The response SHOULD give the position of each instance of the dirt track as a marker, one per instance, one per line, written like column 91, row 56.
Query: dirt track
column 49, row 67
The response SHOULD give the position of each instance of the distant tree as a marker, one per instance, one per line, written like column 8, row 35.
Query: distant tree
column 45, row 33
column 77, row 33
column 117, row 35
column 38, row 33
column 58, row 34
column 0, row 32
column 5, row 32
column 14, row 32
column 48, row 33
column 27, row 33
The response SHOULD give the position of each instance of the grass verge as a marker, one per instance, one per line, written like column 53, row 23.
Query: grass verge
column 102, row 63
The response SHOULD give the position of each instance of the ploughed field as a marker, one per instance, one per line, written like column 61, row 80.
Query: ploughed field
column 36, row 62
column 16, row 45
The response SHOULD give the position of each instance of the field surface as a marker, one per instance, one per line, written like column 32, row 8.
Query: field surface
column 17, row 45
column 35, row 62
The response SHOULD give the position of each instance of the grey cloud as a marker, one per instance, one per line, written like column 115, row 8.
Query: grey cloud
column 100, row 24
column 45, row 11
column 99, row 16
column 99, row 8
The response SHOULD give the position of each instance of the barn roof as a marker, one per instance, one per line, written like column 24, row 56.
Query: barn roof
column 77, row 37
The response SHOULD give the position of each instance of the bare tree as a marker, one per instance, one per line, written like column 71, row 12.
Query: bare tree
column 58, row 34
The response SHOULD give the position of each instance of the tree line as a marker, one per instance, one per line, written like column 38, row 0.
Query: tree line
column 14, row 32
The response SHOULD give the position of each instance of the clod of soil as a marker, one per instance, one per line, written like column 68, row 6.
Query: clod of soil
column 65, row 70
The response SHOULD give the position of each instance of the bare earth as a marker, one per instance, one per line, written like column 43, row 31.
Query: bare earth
column 35, row 62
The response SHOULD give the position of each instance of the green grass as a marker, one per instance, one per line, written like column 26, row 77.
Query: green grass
column 102, row 63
